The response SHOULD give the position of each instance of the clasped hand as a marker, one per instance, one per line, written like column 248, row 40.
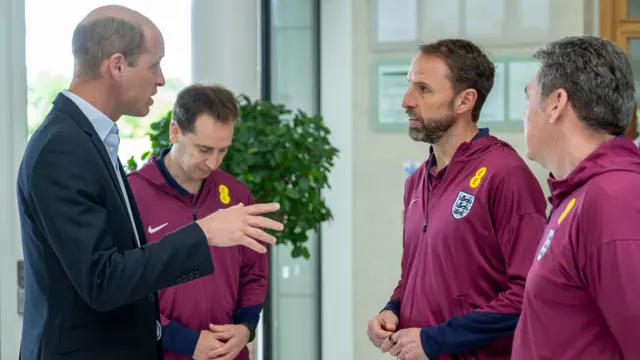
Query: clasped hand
column 221, row 342
column 405, row 344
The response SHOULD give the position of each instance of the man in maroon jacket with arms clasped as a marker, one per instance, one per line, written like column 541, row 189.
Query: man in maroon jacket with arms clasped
column 182, row 185
column 582, row 299
column 473, row 216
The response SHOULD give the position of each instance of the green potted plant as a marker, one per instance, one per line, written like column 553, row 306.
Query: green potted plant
column 282, row 156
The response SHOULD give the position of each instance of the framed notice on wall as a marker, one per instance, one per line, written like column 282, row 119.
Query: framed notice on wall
column 389, row 84
column 400, row 25
column 502, row 111
column 395, row 24
column 506, row 104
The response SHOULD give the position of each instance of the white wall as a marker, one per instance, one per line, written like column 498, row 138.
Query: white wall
column 224, row 44
column 336, row 105
column 13, row 107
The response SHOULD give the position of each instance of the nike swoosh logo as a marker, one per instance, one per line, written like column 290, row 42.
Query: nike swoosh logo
column 152, row 230
column 412, row 201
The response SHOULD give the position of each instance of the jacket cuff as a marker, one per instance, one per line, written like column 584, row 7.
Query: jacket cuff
column 394, row 306
column 430, row 347
column 248, row 316
column 179, row 339
column 462, row 334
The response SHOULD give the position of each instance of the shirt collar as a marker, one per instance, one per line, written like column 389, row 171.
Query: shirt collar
column 169, row 178
column 101, row 123
column 482, row 132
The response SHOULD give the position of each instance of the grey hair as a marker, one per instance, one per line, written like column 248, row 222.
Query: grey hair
column 95, row 41
column 598, row 79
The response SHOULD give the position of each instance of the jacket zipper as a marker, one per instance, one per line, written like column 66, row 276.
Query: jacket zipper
column 194, row 204
column 426, row 206
column 194, row 213
column 424, row 229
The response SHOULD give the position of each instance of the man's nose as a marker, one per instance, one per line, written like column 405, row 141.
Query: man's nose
column 407, row 101
column 161, row 80
column 213, row 162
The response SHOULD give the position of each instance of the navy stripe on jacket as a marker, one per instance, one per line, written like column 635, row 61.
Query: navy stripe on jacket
column 462, row 334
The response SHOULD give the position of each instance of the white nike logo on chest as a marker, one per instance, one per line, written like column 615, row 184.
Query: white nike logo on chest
column 152, row 230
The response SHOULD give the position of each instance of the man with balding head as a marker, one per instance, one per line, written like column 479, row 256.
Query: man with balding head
column 90, row 276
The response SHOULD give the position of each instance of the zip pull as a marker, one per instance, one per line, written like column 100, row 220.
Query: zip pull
column 424, row 227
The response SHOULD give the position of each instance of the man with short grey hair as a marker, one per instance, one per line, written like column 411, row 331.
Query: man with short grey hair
column 581, row 299
column 90, row 276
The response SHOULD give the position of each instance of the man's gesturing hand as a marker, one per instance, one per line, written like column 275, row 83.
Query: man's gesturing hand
column 241, row 225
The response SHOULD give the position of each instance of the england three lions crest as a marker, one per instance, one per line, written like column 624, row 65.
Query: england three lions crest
column 462, row 205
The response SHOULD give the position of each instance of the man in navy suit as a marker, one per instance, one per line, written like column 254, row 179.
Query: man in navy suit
column 90, row 276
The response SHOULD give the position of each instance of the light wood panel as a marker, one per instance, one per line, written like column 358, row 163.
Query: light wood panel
column 616, row 25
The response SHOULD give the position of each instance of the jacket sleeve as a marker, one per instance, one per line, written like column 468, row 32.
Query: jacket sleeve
column 396, row 297
column 517, row 206
column 607, row 259
column 613, row 278
column 177, row 338
column 254, row 272
column 70, row 211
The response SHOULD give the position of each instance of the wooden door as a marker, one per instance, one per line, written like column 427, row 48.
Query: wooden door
column 620, row 23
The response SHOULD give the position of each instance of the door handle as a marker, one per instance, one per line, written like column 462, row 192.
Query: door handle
column 20, row 279
column 21, row 274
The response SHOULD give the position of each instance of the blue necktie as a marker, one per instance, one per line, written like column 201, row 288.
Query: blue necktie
column 112, row 142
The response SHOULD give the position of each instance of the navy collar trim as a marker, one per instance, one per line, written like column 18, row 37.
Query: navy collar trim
column 481, row 133
column 167, row 175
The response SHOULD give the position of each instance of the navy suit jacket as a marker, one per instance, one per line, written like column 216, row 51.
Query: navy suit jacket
column 90, row 292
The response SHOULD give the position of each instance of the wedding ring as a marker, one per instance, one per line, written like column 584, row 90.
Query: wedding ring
column 393, row 342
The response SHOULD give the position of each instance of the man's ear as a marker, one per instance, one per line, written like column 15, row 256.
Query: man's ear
column 557, row 102
column 116, row 62
column 174, row 132
column 465, row 101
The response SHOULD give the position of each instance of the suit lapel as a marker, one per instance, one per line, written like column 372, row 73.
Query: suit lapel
column 134, row 207
column 68, row 106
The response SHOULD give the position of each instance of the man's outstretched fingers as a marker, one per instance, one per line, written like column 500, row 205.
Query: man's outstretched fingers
column 264, row 223
column 254, row 245
column 257, row 209
column 260, row 235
